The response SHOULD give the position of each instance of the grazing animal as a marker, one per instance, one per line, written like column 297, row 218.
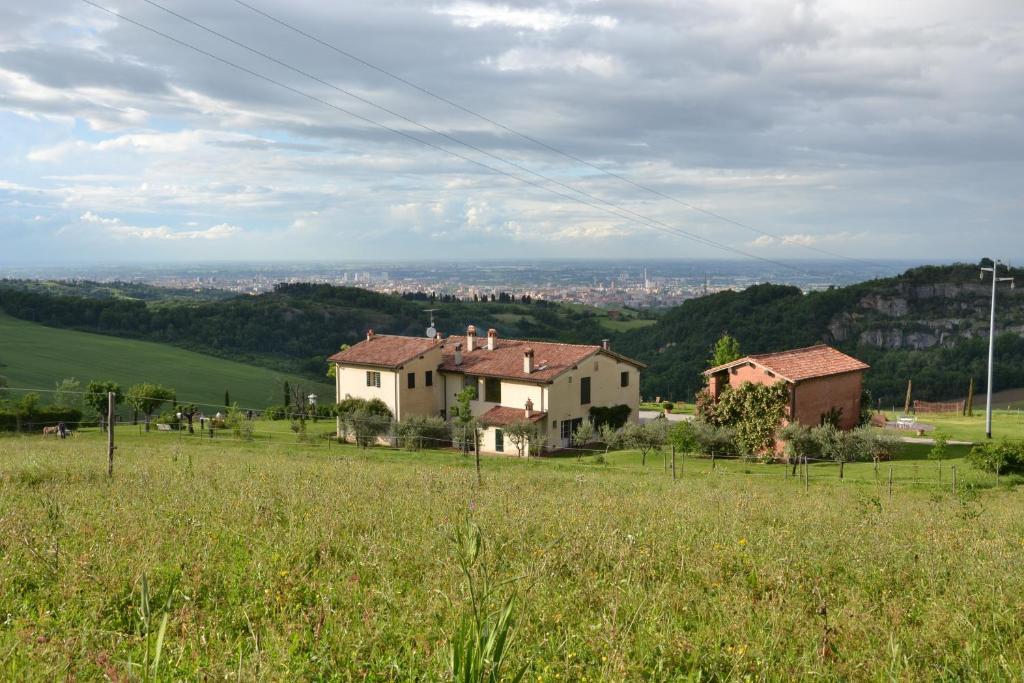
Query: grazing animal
column 49, row 430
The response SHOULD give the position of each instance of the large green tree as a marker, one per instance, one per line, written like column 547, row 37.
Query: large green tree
column 147, row 398
column 96, row 397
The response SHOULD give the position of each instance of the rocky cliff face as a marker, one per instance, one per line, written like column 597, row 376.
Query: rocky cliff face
column 916, row 316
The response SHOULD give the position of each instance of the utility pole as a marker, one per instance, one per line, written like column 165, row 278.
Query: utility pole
column 992, row 337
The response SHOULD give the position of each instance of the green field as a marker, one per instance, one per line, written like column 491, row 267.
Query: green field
column 1005, row 423
column 678, row 407
column 36, row 357
column 277, row 560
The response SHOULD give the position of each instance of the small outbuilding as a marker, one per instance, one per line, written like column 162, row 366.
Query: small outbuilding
column 824, row 383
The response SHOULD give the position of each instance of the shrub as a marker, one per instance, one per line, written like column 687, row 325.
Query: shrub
column 611, row 438
column 276, row 413
column 168, row 417
column 712, row 439
column 416, row 432
column 863, row 443
column 999, row 457
column 613, row 416
column 41, row 416
column 683, row 436
column 646, row 437
column 239, row 424
column 366, row 426
column 754, row 411
column 800, row 442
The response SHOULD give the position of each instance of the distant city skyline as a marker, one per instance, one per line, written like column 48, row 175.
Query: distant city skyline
column 644, row 284
column 797, row 128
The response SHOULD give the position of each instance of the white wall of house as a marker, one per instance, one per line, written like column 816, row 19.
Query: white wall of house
column 564, row 395
column 421, row 400
column 488, row 442
column 351, row 381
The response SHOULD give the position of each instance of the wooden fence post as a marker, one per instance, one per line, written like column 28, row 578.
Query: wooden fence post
column 807, row 476
column 476, row 441
column 110, row 433
column 954, row 478
column 673, row 462
column 890, row 481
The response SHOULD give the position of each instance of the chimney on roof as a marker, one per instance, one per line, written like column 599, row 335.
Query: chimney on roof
column 470, row 338
column 369, row 335
column 458, row 353
column 528, row 361
column 492, row 339
column 606, row 344
column 529, row 407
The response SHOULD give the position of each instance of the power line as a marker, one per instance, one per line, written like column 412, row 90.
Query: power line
column 611, row 208
column 538, row 142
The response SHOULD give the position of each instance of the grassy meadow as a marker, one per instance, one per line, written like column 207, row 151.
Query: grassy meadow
column 1005, row 423
column 35, row 356
column 279, row 560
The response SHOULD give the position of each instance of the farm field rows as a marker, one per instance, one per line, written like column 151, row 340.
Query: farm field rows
column 35, row 356
column 284, row 560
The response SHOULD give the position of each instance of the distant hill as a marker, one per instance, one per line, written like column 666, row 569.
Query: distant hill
column 929, row 324
column 295, row 327
column 115, row 290
column 34, row 356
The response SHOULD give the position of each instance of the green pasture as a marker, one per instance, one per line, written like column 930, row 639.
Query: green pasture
column 1005, row 423
column 678, row 407
column 287, row 560
column 36, row 357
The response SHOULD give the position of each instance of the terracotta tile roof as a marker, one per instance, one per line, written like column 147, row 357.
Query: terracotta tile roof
column 502, row 416
column 801, row 364
column 506, row 360
column 384, row 350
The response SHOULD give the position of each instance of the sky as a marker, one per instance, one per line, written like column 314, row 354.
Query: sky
column 779, row 129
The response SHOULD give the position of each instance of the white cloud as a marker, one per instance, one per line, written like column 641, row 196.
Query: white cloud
column 217, row 232
column 117, row 228
column 479, row 14
column 540, row 59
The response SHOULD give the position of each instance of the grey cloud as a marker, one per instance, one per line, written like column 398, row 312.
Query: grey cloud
column 61, row 67
column 788, row 86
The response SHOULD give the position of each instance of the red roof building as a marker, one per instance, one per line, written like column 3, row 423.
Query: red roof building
column 822, row 381
column 509, row 377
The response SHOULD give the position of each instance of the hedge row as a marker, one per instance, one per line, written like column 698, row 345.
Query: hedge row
column 48, row 416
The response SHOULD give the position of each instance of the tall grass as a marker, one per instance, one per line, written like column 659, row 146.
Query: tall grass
column 307, row 563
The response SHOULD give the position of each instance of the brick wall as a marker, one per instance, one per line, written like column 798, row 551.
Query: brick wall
column 814, row 397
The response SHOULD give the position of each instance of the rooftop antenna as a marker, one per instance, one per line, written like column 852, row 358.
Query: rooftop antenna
column 432, row 330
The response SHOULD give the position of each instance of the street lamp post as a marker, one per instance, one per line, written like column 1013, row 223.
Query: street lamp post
column 992, row 338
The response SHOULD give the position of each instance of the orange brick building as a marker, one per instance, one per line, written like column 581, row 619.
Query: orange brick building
column 820, row 380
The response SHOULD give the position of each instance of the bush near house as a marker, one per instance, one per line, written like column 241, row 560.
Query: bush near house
column 999, row 457
column 754, row 411
column 612, row 416
column 416, row 433
column 825, row 441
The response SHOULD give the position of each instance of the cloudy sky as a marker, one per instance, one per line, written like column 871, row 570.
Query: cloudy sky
column 868, row 128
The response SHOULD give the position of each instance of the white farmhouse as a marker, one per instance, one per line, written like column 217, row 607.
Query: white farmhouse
column 551, row 385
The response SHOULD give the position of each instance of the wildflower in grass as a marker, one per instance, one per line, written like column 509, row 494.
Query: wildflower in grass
column 743, row 541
